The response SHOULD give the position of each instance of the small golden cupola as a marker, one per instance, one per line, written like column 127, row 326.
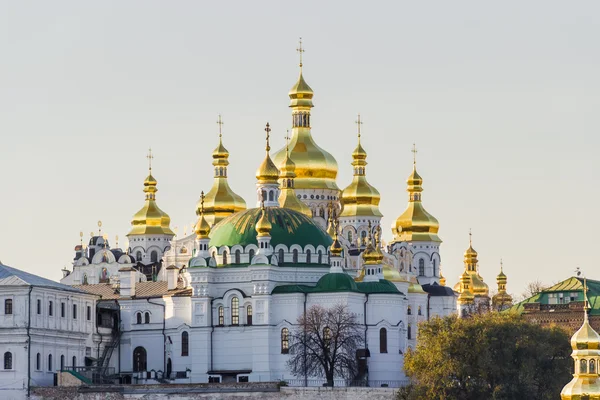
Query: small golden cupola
column 360, row 198
column 150, row 220
column 586, row 355
column 220, row 201
column 502, row 299
column 267, row 177
column 287, row 197
column 415, row 223
column 315, row 167
column 202, row 227
column 263, row 225
column 476, row 284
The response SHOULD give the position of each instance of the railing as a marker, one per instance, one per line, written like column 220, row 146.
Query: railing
column 344, row 383
column 96, row 375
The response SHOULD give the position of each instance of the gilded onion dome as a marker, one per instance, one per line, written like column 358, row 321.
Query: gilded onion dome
column 315, row 167
column 263, row 226
column 202, row 228
column 415, row 223
column 501, row 298
column 586, row 355
column 287, row 197
column 220, row 201
column 267, row 172
column 336, row 248
column 360, row 198
column 150, row 220
column 476, row 284
column 372, row 254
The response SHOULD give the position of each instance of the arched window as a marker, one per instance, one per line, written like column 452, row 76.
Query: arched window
column 419, row 311
column 49, row 362
column 249, row 315
column 350, row 236
column 74, row 311
column 224, row 257
column 270, row 195
column 62, row 362
column 139, row 359
column 221, row 316
column 50, row 308
column 147, row 318
column 592, row 367
column 8, row 360
column 409, row 332
column 74, row 361
column 583, row 367
column 363, row 235
column 421, row 267
column 435, row 273
column 138, row 256
column 321, row 213
column 235, row 311
column 185, row 344
column 320, row 259
column 281, row 256
column 154, row 256
column 250, row 255
column 383, row 340
column 169, row 368
column 8, row 309
column 285, row 341
column 295, row 256
column 237, row 257
column 39, row 306
column 308, row 256
column 85, row 280
column 38, row 362
column 139, row 318
column 409, row 311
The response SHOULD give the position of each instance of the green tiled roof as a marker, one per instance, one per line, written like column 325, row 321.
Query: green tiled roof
column 340, row 282
column 571, row 285
column 288, row 227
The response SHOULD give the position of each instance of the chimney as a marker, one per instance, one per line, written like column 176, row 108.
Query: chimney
column 172, row 272
column 127, row 281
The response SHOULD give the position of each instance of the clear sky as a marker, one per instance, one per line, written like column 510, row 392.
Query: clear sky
column 501, row 98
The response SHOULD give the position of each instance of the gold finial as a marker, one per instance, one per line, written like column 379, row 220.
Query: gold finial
column 268, row 130
column 81, row 238
column 220, row 123
column 470, row 238
column 117, row 241
column 91, row 234
column 150, row 157
column 99, row 228
column 202, row 202
column 501, row 266
column 586, row 303
column 414, row 151
column 287, row 141
column 300, row 50
column 359, row 123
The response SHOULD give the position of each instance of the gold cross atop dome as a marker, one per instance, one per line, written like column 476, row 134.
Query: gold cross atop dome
column 287, row 141
column 358, row 122
column 268, row 130
column 220, row 123
column 300, row 50
column 414, row 151
column 150, row 157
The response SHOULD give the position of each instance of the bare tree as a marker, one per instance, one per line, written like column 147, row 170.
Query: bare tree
column 533, row 288
column 325, row 342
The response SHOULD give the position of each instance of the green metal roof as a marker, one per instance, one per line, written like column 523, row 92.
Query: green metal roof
column 340, row 282
column 571, row 285
column 288, row 227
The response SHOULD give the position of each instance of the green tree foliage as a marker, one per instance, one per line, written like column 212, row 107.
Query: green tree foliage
column 489, row 356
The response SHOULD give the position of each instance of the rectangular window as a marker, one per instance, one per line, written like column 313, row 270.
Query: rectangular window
column 50, row 310
column 74, row 311
column 39, row 306
column 89, row 313
column 243, row 379
column 8, row 306
column 214, row 379
column 62, row 310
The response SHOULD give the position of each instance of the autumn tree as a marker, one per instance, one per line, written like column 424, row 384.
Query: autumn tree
column 488, row 356
column 324, row 343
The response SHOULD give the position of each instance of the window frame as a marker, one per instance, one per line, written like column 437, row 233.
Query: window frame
column 285, row 340
column 249, row 312
column 383, row 341
column 8, row 306
column 235, row 310
column 8, row 361
column 221, row 315
column 185, row 344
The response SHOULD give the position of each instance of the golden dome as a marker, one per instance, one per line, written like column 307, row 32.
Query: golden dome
column 151, row 220
column 220, row 201
column 442, row 279
column 464, row 289
column 392, row 274
column 315, row 167
column 372, row 254
column 415, row 223
column 414, row 286
column 475, row 282
column 267, row 172
column 263, row 225
column 360, row 198
column 202, row 228
column 287, row 197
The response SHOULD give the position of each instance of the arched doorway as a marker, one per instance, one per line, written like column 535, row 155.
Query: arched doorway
column 139, row 359
column 169, row 368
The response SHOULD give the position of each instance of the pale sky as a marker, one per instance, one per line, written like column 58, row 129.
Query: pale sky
column 501, row 98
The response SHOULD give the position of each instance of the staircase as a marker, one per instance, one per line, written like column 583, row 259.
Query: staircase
column 104, row 361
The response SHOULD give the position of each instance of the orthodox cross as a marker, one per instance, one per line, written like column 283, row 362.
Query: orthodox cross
column 359, row 123
column 202, row 202
column 414, row 151
column 150, row 157
column 268, row 130
column 501, row 265
column 300, row 50
column 287, row 141
column 470, row 238
column 99, row 228
column 220, row 123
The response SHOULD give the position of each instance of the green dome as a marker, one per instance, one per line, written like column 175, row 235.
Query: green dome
column 336, row 282
column 288, row 227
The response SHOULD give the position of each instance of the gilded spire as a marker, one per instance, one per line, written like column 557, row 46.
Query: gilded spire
column 263, row 226
column 202, row 227
column 220, row 201
column 360, row 198
column 372, row 254
column 150, row 219
column 267, row 172
column 476, row 284
column 415, row 223
column 287, row 175
column 502, row 299
column 336, row 247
